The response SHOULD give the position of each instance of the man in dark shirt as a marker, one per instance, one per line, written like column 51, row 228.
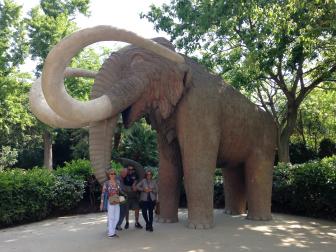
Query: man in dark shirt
column 130, row 182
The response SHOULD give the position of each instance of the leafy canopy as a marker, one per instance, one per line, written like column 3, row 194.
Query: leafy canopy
column 249, row 41
column 13, row 46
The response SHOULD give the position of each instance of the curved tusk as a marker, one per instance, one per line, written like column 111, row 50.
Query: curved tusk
column 59, row 57
column 41, row 109
column 77, row 72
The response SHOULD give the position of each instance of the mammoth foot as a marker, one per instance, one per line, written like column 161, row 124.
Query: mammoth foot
column 266, row 217
column 195, row 225
column 166, row 220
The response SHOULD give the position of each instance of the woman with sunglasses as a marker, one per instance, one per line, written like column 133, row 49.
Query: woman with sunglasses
column 112, row 188
column 148, row 188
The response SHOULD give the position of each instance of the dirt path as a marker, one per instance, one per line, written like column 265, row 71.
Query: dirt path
column 86, row 233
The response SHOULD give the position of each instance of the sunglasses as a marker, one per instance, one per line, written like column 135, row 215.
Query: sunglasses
column 112, row 174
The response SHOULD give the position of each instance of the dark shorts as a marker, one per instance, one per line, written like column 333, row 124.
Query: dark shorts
column 133, row 203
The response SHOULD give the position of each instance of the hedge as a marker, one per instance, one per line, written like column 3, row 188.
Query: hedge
column 306, row 189
column 30, row 195
column 79, row 169
column 25, row 195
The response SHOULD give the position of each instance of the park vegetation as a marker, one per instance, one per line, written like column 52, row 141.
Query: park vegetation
column 280, row 54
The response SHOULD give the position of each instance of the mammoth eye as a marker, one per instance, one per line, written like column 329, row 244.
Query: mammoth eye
column 136, row 60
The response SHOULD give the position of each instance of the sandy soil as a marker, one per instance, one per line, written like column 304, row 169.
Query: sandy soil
column 86, row 233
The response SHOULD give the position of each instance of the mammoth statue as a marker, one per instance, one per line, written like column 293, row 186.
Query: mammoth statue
column 202, row 123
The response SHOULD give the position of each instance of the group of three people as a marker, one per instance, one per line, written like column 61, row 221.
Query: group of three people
column 136, row 193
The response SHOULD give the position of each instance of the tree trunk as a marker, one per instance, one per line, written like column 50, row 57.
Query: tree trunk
column 301, row 128
column 47, row 150
column 286, row 132
column 283, row 148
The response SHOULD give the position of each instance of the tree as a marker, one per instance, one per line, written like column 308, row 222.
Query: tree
column 13, row 45
column 16, row 122
column 317, row 117
column 48, row 24
column 275, row 51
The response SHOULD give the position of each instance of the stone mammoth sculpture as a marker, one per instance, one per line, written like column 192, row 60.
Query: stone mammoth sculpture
column 202, row 123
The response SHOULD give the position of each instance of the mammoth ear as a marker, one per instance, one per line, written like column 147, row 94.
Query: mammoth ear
column 177, row 82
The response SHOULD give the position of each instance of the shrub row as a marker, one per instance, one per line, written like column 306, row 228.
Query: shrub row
column 29, row 195
column 306, row 189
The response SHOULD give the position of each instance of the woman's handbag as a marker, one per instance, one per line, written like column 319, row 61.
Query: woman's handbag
column 114, row 199
column 122, row 199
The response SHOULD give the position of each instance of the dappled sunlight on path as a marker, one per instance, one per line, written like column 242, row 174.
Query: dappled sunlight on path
column 231, row 233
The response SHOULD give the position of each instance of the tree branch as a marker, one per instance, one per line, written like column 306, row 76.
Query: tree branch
column 318, row 80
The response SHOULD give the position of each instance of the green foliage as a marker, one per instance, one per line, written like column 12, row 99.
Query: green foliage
column 317, row 117
column 67, row 191
column 25, row 195
column 79, row 144
column 29, row 195
column 49, row 23
column 139, row 143
column 299, row 153
column 79, row 169
column 15, row 118
column 306, row 189
column 69, row 7
column 246, row 39
column 327, row 148
column 13, row 44
column 116, row 166
column 8, row 157
column 45, row 31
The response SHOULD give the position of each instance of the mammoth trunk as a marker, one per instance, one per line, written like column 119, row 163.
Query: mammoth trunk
column 100, row 140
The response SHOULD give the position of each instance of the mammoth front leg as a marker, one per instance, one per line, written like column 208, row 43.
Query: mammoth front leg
column 170, row 174
column 199, row 154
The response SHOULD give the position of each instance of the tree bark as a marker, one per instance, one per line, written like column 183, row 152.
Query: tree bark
column 285, row 133
column 47, row 150
column 283, row 149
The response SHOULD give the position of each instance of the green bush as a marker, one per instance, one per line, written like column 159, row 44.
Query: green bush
column 8, row 157
column 67, row 192
column 25, row 195
column 79, row 169
column 306, row 189
column 29, row 195
column 327, row 148
column 300, row 153
column 116, row 166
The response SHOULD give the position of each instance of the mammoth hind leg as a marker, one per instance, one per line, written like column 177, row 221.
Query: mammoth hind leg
column 258, row 173
column 234, row 189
